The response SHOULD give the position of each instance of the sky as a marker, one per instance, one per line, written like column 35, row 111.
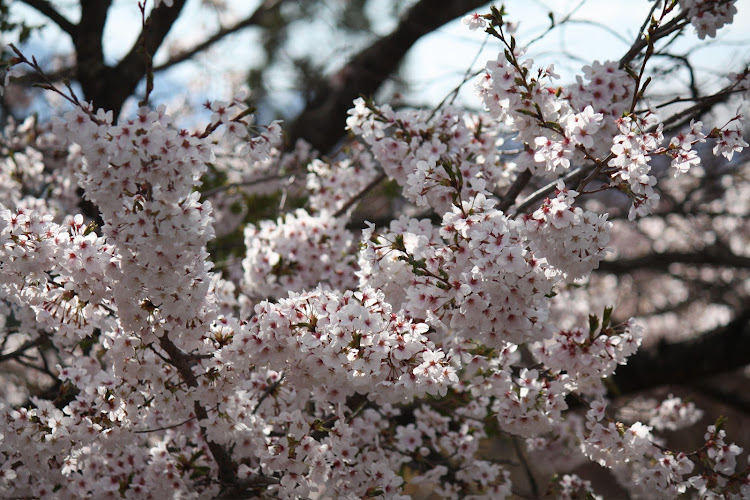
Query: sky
column 597, row 29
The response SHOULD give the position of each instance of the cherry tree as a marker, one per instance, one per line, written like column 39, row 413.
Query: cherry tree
column 325, row 359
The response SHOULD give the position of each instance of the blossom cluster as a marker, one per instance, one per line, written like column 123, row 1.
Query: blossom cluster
column 569, row 238
column 673, row 413
column 587, row 357
column 451, row 157
column 499, row 298
column 708, row 17
column 604, row 87
column 638, row 459
column 330, row 186
column 297, row 253
column 140, row 173
column 630, row 150
column 56, row 270
column 336, row 345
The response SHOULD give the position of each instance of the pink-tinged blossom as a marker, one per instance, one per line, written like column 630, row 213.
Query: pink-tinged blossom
column 332, row 361
column 730, row 141
column 707, row 17
column 572, row 240
column 474, row 21
column 674, row 413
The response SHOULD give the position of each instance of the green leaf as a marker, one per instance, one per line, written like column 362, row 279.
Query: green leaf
column 90, row 228
column 399, row 243
column 719, row 424
column 526, row 112
column 607, row 316
column 593, row 324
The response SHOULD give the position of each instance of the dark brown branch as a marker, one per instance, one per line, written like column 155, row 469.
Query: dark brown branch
column 46, row 8
column 31, row 78
column 92, row 73
column 253, row 182
column 356, row 198
column 157, row 26
column 692, row 85
column 132, row 68
column 515, row 189
column 723, row 349
column 243, row 488
column 526, row 467
column 106, row 86
column 715, row 255
column 173, row 426
column 570, row 178
column 320, row 123
column 704, row 105
column 269, row 390
column 717, row 390
column 677, row 23
column 21, row 350
column 255, row 19
column 181, row 362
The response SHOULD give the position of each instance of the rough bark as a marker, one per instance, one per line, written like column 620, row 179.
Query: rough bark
column 107, row 86
column 321, row 123
column 721, row 350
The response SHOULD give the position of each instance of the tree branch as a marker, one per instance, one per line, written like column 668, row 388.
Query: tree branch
column 159, row 23
column 21, row 350
column 320, row 122
column 514, row 190
column 677, row 23
column 357, row 197
column 719, row 392
column 714, row 255
column 571, row 177
column 33, row 77
column 46, row 8
column 723, row 349
column 106, row 86
column 90, row 68
column 702, row 106
column 256, row 18
column 181, row 362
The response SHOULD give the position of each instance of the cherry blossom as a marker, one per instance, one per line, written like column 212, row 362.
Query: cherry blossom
column 329, row 360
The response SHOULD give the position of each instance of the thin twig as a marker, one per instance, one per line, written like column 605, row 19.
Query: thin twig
column 648, row 19
column 468, row 75
column 354, row 199
column 253, row 182
column 48, row 83
column 173, row 426
column 268, row 392
column 254, row 19
column 705, row 104
column 541, row 193
column 29, row 344
column 555, row 25
column 601, row 26
column 526, row 467
column 148, row 58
